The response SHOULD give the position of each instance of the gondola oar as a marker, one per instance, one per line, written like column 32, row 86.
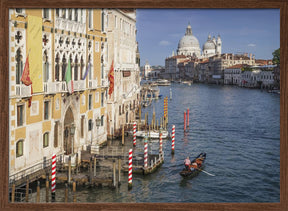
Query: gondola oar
column 207, row 172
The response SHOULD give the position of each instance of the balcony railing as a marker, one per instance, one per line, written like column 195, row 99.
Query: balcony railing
column 79, row 85
column 92, row 84
column 23, row 90
column 104, row 83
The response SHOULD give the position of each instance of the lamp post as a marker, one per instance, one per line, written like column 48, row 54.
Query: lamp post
column 72, row 132
column 98, row 122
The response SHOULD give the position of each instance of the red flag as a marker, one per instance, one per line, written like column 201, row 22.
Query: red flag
column 25, row 78
column 111, row 79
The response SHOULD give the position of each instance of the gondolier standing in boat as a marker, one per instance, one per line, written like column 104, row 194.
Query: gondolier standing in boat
column 187, row 163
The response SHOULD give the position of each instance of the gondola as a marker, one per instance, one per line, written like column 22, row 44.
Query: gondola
column 195, row 171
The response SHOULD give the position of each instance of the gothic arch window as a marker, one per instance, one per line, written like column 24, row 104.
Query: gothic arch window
column 19, row 148
column 57, row 67
column 63, row 13
column 64, row 66
column 45, row 67
column 61, row 41
column 76, row 14
column 82, row 67
column 76, row 68
column 19, row 65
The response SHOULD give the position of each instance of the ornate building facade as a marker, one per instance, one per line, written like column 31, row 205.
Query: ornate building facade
column 56, row 121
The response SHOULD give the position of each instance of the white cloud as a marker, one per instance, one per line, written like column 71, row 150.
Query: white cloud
column 164, row 43
column 251, row 45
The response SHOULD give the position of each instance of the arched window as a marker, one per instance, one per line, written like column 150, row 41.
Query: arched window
column 76, row 69
column 64, row 66
column 19, row 66
column 81, row 67
column 46, row 139
column 102, row 120
column 19, row 148
column 45, row 67
column 57, row 67
column 90, row 124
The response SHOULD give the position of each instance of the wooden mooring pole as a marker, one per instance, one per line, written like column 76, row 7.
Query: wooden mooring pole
column 69, row 170
column 74, row 191
column 94, row 166
column 47, row 188
column 114, row 173
column 66, row 192
column 123, row 135
column 119, row 172
column 27, row 190
column 13, row 193
column 90, row 171
column 38, row 192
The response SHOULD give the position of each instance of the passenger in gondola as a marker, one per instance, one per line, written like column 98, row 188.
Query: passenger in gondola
column 193, row 166
column 199, row 161
column 187, row 163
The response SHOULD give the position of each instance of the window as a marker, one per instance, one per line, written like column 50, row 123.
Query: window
column 90, row 19
column 19, row 66
column 90, row 124
column 76, row 14
column 82, row 66
column 102, row 120
column 76, row 69
column 20, row 115
column 57, row 67
column 46, row 13
column 119, row 109
column 45, row 67
column 64, row 65
column 18, row 10
column 70, row 14
column 102, row 23
column 19, row 148
column 46, row 110
column 90, row 102
column 82, row 126
column 63, row 13
column 56, row 127
column 45, row 139
column 102, row 99
column 57, row 13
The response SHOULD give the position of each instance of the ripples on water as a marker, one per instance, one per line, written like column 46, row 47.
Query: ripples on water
column 238, row 128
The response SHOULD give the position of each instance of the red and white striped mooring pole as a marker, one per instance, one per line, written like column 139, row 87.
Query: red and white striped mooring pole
column 145, row 152
column 130, row 170
column 53, row 182
column 173, row 138
column 134, row 134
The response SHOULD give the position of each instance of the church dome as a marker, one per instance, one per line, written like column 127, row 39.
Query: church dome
column 188, row 41
column 189, row 44
column 209, row 45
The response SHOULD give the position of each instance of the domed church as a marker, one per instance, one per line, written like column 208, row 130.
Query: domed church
column 189, row 45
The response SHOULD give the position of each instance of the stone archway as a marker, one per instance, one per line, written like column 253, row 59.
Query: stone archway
column 67, row 139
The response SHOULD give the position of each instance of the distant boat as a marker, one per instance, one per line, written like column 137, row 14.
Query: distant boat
column 152, row 134
column 187, row 82
column 163, row 82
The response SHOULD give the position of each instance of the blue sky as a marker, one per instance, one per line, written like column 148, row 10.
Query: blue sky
column 255, row 31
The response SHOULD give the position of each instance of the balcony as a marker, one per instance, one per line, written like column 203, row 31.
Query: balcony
column 79, row 85
column 104, row 83
column 23, row 90
column 92, row 84
column 49, row 88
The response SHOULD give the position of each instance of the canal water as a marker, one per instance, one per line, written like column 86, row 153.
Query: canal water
column 238, row 128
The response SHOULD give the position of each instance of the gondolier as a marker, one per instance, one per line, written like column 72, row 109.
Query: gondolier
column 187, row 163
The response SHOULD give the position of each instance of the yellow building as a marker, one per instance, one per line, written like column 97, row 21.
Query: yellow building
column 49, row 38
